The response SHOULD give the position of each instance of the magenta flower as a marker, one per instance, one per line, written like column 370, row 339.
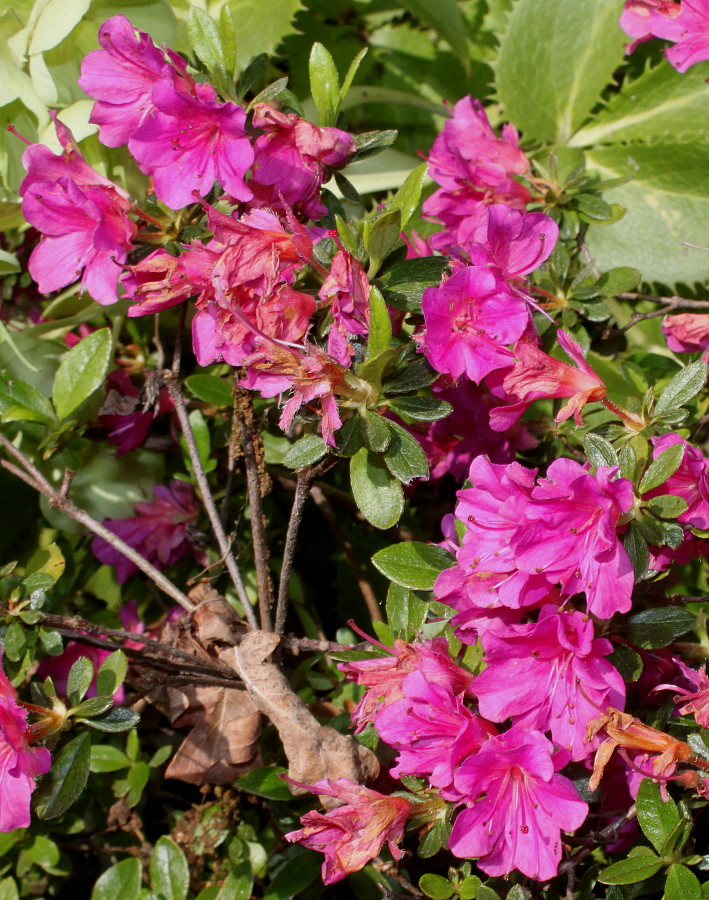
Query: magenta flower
column 698, row 698
column 20, row 764
column 517, row 243
column 187, row 143
column 385, row 677
column 474, row 169
column 432, row 731
column 292, row 160
column 82, row 217
column 159, row 531
column 535, row 375
column 354, row 833
column 687, row 332
column 121, row 75
column 469, row 319
column 640, row 18
column 127, row 424
column 518, row 807
column 566, row 676
column 690, row 481
column 346, row 292
column 687, row 25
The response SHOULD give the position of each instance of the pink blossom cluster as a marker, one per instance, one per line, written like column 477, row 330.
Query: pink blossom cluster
column 685, row 24
column 268, row 167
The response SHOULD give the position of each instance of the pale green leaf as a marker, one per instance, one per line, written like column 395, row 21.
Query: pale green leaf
column 56, row 21
column 443, row 16
column 120, row 882
column 169, row 872
column 260, row 25
column 554, row 60
column 81, row 372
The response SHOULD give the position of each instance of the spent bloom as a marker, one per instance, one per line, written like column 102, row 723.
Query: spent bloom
column 517, row 806
column 83, row 219
column 352, row 834
column 159, row 530
column 695, row 698
column 20, row 764
column 566, row 676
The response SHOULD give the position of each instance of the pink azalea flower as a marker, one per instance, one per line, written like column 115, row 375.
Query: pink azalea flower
column 469, row 319
column 346, row 292
column 385, row 677
column 687, row 332
column 159, row 530
column 161, row 280
column 640, row 17
column 187, row 143
column 432, row 731
column 82, row 217
column 352, row 834
column 292, row 160
column 566, row 677
column 474, row 169
column 697, row 695
column 518, row 807
column 690, row 481
column 20, row 764
column 121, row 75
column 128, row 425
column 517, row 243
column 535, row 375
column 687, row 25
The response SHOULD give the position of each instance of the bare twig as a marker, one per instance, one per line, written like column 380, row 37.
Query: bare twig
column 598, row 840
column 304, row 483
column 243, row 411
column 31, row 475
column 173, row 386
column 177, row 351
column 365, row 587
column 668, row 305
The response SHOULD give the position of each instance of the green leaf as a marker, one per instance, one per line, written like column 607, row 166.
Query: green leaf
column 682, row 884
column 324, row 84
column 350, row 438
column 627, row 662
column 94, row 706
column 655, row 628
column 8, row 889
column 618, row 281
column 660, row 103
column 667, row 203
column 57, row 20
column 376, row 430
column 66, row 780
column 404, row 456
column 105, row 758
column 682, row 387
column 266, row 782
column 376, row 491
column 599, row 451
column 169, row 872
column 436, row 886
column 112, row 673
column 295, row 876
column 468, row 887
column 305, row 451
column 408, row 196
column 379, row 324
column 9, row 263
column 636, row 547
column 418, row 374
column 662, row 468
column 657, row 817
column 21, row 402
column 380, row 235
column 81, row 372
column 121, row 882
column 209, row 388
column 350, row 76
column 412, row 564
column 115, row 720
column 79, row 680
column 206, row 40
column 227, row 36
column 47, row 561
column 239, row 884
column 423, row 409
column 667, row 506
column 405, row 612
column 630, row 870
column 261, row 25
column 445, row 17
column 568, row 51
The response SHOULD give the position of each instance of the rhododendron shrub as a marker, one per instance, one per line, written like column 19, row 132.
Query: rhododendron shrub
column 353, row 429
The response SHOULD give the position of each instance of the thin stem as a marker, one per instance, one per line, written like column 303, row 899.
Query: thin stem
column 669, row 305
column 365, row 587
column 243, row 410
column 179, row 336
column 635, row 422
column 32, row 476
column 173, row 386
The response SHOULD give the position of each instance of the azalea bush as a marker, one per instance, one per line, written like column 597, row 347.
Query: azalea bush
column 353, row 412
